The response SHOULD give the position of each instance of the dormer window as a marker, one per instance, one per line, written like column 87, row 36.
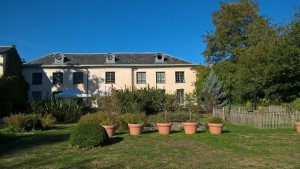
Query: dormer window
column 159, row 58
column 59, row 58
column 110, row 58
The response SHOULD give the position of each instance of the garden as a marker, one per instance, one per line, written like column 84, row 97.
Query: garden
column 61, row 134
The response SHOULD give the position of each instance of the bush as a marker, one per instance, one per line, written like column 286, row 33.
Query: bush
column 176, row 117
column 217, row 120
column 16, row 122
column 87, row 135
column 33, row 122
column 126, row 100
column 134, row 118
column 64, row 110
column 48, row 121
column 27, row 122
column 99, row 118
column 151, row 100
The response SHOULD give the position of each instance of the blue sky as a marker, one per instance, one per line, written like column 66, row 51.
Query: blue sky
column 41, row 27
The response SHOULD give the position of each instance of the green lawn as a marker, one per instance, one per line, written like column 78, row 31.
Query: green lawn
column 237, row 147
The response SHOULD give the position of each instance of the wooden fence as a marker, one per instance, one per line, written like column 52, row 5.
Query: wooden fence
column 277, row 118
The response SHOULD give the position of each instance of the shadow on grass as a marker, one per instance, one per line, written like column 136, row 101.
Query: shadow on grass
column 14, row 143
column 114, row 140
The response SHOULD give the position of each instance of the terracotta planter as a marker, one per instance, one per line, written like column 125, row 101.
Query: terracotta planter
column 215, row 128
column 297, row 126
column 110, row 130
column 164, row 128
column 135, row 129
column 190, row 127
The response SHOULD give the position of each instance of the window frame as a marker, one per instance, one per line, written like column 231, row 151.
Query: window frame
column 110, row 77
column 37, row 78
column 59, row 79
column 180, row 96
column 143, row 78
column 159, row 78
column 36, row 95
column 77, row 77
column 179, row 77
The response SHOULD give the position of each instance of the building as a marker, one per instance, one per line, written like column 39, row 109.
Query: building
column 3, row 56
column 13, row 87
column 92, row 73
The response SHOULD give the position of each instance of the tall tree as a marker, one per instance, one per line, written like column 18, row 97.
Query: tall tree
column 213, row 91
column 238, row 26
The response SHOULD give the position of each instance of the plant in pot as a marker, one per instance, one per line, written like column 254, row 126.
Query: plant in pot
column 297, row 126
column 215, row 125
column 135, row 122
column 190, row 127
column 110, row 124
column 163, row 124
column 106, row 120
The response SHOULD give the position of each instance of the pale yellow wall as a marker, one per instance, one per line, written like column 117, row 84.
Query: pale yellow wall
column 1, row 65
column 96, row 78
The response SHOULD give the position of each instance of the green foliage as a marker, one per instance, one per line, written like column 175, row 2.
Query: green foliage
column 28, row 122
column 110, row 103
column 213, row 91
column 134, row 118
column 126, row 100
column 174, row 117
column 99, row 118
column 253, row 64
column 48, row 121
column 88, row 135
column 217, row 120
column 237, row 27
column 16, row 122
column 13, row 87
column 171, row 103
column 151, row 100
column 162, row 118
column 294, row 105
column 105, row 119
column 64, row 110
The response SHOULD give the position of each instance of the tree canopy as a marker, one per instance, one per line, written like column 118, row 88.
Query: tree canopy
column 253, row 57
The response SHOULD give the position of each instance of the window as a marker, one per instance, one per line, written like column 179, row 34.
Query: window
column 36, row 78
column 77, row 77
column 58, row 78
column 180, row 96
column 141, row 77
column 179, row 77
column 36, row 95
column 110, row 77
column 160, row 77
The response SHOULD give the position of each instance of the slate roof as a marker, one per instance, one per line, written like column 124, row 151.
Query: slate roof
column 100, row 59
column 4, row 49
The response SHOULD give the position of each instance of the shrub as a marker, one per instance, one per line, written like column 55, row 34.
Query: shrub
column 16, row 122
column 126, row 100
column 87, row 135
column 23, row 122
column 33, row 122
column 151, row 100
column 217, row 120
column 48, row 121
column 64, row 110
column 27, row 122
column 99, row 118
column 134, row 118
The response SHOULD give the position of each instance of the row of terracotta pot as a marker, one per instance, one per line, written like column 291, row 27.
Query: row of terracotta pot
column 165, row 128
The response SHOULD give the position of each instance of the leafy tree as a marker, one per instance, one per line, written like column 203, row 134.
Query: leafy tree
column 238, row 26
column 213, row 91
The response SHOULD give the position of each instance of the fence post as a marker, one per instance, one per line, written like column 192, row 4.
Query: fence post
column 223, row 115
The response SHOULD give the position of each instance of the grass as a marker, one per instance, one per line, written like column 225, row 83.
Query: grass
column 237, row 147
